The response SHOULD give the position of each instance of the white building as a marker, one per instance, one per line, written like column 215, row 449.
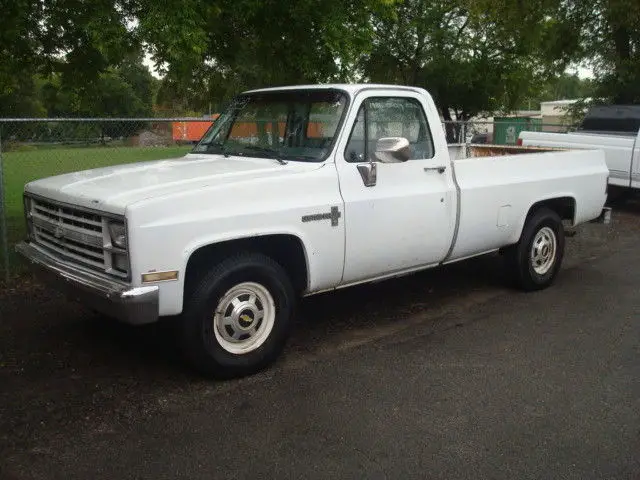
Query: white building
column 555, row 113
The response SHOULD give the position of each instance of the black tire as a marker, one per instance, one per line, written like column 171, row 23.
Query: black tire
column 200, row 344
column 519, row 257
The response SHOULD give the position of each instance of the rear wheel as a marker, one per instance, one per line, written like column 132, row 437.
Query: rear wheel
column 535, row 260
column 239, row 317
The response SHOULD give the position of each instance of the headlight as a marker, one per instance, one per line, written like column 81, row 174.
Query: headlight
column 120, row 262
column 118, row 234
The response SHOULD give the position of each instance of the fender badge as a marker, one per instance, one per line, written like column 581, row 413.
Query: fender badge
column 334, row 215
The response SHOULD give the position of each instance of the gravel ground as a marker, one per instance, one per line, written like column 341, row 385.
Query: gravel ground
column 67, row 374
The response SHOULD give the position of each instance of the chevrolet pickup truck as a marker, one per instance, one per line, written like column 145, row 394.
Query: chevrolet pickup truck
column 615, row 129
column 295, row 191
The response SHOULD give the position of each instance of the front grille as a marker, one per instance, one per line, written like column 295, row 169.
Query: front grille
column 73, row 233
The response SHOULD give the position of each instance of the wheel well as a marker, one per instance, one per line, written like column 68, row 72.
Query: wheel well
column 286, row 250
column 565, row 207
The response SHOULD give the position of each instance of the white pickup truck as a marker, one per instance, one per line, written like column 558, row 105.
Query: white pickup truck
column 295, row 191
column 621, row 148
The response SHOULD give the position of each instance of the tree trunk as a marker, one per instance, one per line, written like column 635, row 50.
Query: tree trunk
column 622, row 43
column 450, row 128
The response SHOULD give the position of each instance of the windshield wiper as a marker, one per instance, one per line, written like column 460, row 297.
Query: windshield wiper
column 269, row 151
column 300, row 156
column 220, row 145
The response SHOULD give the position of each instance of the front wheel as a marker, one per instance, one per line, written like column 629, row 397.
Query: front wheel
column 239, row 316
column 535, row 260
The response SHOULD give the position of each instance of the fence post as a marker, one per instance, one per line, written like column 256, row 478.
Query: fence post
column 463, row 135
column 4, row 243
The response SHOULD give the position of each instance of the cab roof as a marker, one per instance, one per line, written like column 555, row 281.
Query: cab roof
column 351, row 88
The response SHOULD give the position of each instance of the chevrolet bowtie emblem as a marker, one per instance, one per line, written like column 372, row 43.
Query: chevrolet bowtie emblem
column 59, row 232
column 334, row 215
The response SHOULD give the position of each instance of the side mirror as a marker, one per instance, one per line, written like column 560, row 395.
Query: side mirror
column 392, row 150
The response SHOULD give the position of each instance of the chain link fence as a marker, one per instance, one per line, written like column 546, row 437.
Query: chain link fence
column 37, row 148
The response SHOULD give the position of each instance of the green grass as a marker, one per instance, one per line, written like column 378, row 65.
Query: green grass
column 21, row 167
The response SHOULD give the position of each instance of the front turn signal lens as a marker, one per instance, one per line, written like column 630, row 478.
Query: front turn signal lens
column 159, row 276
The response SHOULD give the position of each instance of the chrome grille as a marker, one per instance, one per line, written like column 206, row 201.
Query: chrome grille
column 73, row 233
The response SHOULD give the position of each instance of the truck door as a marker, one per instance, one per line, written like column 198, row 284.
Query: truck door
column 407, row 218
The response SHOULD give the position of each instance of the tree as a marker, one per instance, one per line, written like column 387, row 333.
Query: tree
column 18, row 43
column 78, row 39
column 472, row 55
column 562, row 87
column 127, row 89
column 144, row 85
column 211, row 50
column 610, row 42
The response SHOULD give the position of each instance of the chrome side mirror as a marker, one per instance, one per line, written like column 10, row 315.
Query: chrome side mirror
column 392, row 150
column 388, row 150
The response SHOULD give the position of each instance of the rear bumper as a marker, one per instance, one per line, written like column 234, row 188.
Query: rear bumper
column 133, row 305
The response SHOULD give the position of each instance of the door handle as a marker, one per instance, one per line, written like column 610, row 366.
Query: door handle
column 438, row 169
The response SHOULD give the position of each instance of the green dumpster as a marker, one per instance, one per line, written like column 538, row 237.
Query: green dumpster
column 507, row 129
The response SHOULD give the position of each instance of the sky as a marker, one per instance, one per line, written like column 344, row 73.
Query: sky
column 149, row 64
column 582, row 71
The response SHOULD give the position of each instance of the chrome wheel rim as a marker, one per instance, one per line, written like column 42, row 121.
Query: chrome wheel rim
column 244, row 318
column 543, row 250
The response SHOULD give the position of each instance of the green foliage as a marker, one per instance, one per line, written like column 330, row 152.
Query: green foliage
column 619, row 67
column 473, row 55
column 215, row 49
column 18, row 42
column 610, row 44
column 83, row 57
column 124, row 90
column 76, row 39
column 562, row 87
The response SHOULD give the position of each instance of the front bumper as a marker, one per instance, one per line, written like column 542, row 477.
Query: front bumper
column 133, row 305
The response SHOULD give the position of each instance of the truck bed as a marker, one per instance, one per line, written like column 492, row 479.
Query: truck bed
column 463, row 151
column 494, row 191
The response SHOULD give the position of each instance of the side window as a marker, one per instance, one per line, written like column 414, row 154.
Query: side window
column 390, row 117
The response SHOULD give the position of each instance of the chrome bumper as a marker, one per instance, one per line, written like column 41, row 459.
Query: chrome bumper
column 134, row 305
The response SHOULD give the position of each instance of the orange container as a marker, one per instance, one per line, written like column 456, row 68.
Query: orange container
column 193, row 131
column 190, row 131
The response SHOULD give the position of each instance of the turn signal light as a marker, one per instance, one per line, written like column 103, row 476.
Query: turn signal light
column 159, row 276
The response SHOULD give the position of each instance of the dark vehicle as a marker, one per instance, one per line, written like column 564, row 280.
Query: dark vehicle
column 612, row 119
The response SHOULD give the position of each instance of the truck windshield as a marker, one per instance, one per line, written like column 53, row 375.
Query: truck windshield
column 287, row 125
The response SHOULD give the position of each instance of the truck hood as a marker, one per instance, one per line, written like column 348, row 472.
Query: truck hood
column 112, row 189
